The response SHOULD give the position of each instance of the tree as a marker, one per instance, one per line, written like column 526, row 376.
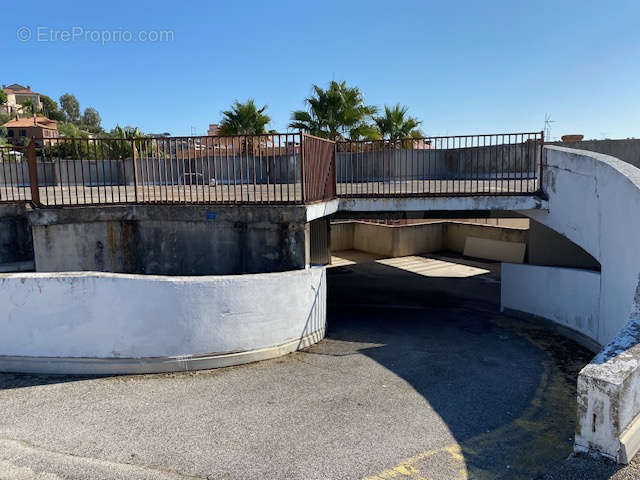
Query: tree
column 91, row 120
column 30, row 106
column 50, row 109
column 3, row 97
column 122, row 149
column 126, row 132
column 395, row 124
column 335, row 113
column 244, row 119
column 70, row 107
column 71, row 130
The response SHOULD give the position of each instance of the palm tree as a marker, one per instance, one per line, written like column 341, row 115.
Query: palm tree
column 335, row 113
column 125, row 137
column 395, row 124
column 244, row 119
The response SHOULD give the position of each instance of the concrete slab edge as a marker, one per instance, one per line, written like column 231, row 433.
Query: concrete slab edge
column 126, row 366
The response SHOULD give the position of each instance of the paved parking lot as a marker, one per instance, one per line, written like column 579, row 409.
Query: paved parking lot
column 419, row 377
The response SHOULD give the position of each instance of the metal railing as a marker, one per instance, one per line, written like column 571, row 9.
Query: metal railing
column 319, row 168
column 287, row 168
column 177, row 170
column 14, row 174
column 497, row 164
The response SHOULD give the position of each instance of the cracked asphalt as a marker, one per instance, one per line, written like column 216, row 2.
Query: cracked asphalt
column 419, row 377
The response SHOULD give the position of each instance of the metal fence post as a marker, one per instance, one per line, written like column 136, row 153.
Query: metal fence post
column 302, row 160
column 32, row 161
column 541, row 158
column 135, row 168
column 334, row 166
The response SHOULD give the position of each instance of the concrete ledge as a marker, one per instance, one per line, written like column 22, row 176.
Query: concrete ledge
column 94, row 323
column 322, row 209
column 461, row 203
column 168, row 213
column 122, row 366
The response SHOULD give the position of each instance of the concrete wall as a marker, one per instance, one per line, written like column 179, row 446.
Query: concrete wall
column 412, row 239
column 373, row 238
column 455, row 234
column 342, row 235
column 114, row 323
column 569, row 297
column 548, row 247
column 171, row 171
column 441, row 163
column 170, row 240
column 627, row 150
column 319, row 240
column 594, row 201
column 16, row 243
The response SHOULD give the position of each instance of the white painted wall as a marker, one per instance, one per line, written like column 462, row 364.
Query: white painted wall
column 594, row 201
column 567, row 296
column 107, row 315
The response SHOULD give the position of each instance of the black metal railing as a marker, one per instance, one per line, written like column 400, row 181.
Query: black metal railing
column 495, row 164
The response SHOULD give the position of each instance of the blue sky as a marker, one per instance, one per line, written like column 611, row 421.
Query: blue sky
column 461, row 67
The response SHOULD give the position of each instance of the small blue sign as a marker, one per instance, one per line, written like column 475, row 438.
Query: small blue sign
column 211, row 216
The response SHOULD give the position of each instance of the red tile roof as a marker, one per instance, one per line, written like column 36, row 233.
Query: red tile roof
column 19, row 90
column 43, row 122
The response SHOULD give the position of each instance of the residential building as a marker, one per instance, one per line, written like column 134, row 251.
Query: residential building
column 16, row 96
column 31, row 127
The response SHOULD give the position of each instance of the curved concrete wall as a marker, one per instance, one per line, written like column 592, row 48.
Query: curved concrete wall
column 119, row 323
column 594, row 201
column 569, row 297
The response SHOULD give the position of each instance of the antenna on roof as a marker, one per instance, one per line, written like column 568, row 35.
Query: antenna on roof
column 547, row 125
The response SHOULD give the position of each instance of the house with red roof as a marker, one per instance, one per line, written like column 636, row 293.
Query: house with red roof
column 31, row 127
column 16, row 96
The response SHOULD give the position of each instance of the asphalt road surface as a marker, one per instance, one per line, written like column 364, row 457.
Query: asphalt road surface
column 418, row 378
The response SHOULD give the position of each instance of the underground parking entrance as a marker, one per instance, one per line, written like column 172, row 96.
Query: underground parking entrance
column 442, row 378
column 419, row 376
column 492, row 395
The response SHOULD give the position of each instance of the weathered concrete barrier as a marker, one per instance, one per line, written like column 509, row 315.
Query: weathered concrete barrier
column 594, row 201
column 171, row 240
column 416, row 238
column 94, row 323
column 16, row 244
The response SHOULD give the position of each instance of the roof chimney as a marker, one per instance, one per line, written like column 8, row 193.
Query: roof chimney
column 28, row 87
